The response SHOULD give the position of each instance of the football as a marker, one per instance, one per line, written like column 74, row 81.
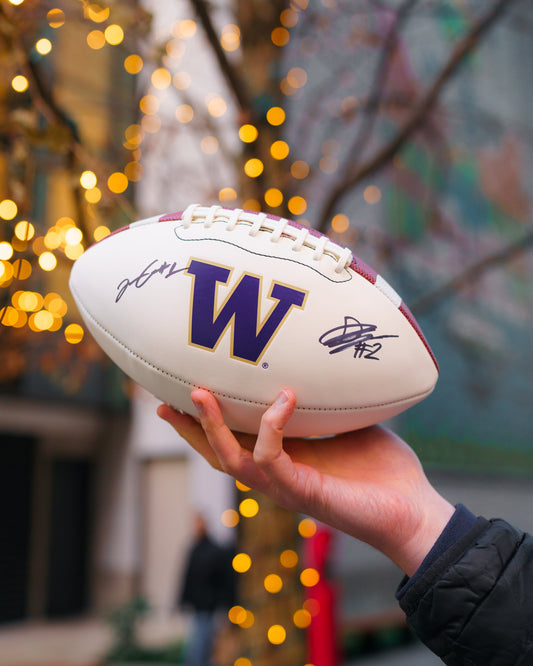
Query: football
column 244, row 304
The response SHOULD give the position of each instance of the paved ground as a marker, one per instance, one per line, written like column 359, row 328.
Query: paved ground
column 82, row 642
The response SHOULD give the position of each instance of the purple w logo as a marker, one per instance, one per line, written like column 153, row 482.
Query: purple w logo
column 240, row 311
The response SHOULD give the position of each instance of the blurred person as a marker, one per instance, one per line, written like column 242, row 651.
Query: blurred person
column 207, row 587
column 468, row 586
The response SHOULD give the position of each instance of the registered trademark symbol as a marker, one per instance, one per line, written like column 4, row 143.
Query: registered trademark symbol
column 264, row 366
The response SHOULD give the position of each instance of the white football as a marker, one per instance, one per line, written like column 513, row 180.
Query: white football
column 245, row 304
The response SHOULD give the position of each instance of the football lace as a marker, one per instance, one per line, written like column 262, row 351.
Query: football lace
column 278, row 228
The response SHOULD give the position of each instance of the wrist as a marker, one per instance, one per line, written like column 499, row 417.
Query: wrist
column 436, row 514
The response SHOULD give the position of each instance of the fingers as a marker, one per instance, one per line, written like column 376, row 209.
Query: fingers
column 232, row 457
column 190, row 430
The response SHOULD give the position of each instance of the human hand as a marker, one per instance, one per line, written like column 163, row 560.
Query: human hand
column 367, row 483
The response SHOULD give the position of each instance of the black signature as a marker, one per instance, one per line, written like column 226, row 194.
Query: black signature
column 155, row 267
column 353, row 334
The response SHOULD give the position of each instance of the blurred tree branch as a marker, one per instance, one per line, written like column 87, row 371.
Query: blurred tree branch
column 474, row 272
column 356, row 172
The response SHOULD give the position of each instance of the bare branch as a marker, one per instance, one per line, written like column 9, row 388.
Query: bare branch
column 235, row 82
column 474, row 272
column 358, row 173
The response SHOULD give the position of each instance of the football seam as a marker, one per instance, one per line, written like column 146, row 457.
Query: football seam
column 186, row 382
column 273, row 256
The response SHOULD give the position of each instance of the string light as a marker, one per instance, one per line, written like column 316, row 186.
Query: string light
column 55, row 17
column 43, row 46
column 19, row 83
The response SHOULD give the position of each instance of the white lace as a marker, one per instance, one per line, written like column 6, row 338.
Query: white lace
column 321, row 245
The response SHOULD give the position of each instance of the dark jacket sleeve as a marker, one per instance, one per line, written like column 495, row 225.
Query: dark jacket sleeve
column 474, row 605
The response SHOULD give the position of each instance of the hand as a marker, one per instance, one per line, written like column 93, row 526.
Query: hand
column 367, row 483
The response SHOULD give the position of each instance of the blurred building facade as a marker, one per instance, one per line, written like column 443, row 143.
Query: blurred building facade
column 94, row 503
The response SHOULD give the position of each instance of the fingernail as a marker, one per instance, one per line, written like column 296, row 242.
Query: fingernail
column 281, row 399
column 199, row 405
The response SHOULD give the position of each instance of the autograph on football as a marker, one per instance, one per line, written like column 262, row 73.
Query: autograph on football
column 356, row 336
column 155, row 267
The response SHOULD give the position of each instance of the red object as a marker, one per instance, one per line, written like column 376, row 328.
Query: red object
column 322, row 642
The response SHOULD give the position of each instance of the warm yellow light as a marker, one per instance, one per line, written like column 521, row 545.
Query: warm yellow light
column 175, row 48
column 307, row 528
column 216, row 106
column 237, row 614
column 114, row 34
column 242, row 562
column 133, row 64
column 151, row 124
column 297, row 205
column 273, row 197
column 227, row 194
column 161, row 78
column 288, row 558
column 240, row 486
column 73, row 334
column 73, row 236
column 117, row 182
column 149, row 104
column 273, row 583
column 279, row 150
column 101, row 232
column 133, row 171
column 47, row 261
column 275, row 116
column 209, row 145
column 22, row 319
column 74, row 252
column 340, row 223
column 230, row 38
column 88, row 180
column 24, row 230
column 29, row 301
column 276, row 634
column 302, row 618
column 6, row 272
column 299, row 169
column 42, row 320
column 134, row 134
column 309, row 577
column 181, row 80
column 242, row 661
column 96, row 13
column 253, row 167
column 6, row 250
column 8, row 316
column 184, row 113
column 297, row 77
column 249, row 507
column 19, row 83
column 248, row 133
column 248, row 620
column 16, row 2
column 252, row 204
column 21, row 269
column 280, row 36
column 288, row 18
column 96, row 39
column 93, row 195
column 43, row 46
column 55, row 304
column 372, row 194
column 8, row 209
column 230, row 518
column 55, row 18
column 184, row 29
